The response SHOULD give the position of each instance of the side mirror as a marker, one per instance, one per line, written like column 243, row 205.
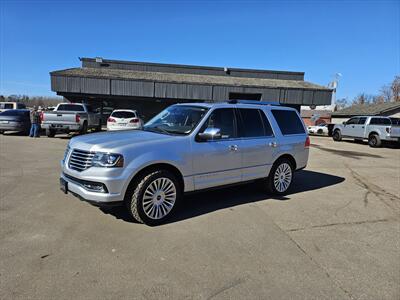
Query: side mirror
column 344, row 123
column 210, row 134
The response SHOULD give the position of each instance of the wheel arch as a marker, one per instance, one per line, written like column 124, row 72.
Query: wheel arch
column 157, row 166
column 372, row 132
column 288, row 157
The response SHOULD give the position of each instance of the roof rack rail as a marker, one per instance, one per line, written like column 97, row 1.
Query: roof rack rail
column 255, row 102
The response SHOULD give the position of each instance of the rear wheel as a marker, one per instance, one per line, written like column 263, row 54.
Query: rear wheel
column 280, row 177
column 50, row 133
column 374, row 141
column 1, row 132
column 154, row 198
column 337, row 136
column 84, row 128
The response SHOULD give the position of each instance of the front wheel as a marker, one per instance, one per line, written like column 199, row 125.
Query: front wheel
column 337, row 136
column 154, row 198
column 280, row 177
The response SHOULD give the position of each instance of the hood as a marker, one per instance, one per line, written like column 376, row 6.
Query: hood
column 116, row 139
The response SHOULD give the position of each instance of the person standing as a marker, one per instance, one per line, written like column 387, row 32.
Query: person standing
column 35, row 121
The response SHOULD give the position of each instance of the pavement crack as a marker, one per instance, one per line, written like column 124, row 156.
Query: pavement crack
column 227, row 287
column 381, row 194
column 338, row 224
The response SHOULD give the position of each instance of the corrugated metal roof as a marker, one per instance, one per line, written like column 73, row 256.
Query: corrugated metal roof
column 187, row 78
column 367, row 109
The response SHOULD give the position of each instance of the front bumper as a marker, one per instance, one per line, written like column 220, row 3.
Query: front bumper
column 76, row 187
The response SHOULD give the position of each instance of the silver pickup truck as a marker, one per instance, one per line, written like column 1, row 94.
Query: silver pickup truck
column 374, row 129
column 70, row 117
column 186, row 148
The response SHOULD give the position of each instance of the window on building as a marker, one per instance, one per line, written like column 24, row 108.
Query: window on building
column 244, row 96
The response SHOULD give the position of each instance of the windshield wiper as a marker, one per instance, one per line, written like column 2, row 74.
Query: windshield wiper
column 156, row 129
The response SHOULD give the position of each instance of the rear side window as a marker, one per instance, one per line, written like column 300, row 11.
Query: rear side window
column 362, row 120
column 70, row 107
column 123, row 114
column 288, row 121
column 380, row 121
column 21, row 105
column 252, row 124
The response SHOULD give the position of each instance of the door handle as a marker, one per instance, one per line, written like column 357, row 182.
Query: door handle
column 272, row 144
column 233, row 148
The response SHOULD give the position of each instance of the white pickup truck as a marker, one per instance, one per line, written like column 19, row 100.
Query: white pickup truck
column 375, row 129
column 70, row 117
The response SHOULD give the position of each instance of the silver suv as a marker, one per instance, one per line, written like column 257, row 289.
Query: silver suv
column 186, row 148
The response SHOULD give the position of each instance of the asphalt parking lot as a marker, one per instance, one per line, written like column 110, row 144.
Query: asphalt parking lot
column 335, row 236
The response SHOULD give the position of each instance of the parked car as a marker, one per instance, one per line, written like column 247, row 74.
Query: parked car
column 186, row 148
column 122, row 119
column 70, row 117
column 321, row 129
column 374, row 129
column 15, row 120
column 11, row 105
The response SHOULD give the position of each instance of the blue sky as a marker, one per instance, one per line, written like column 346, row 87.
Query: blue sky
column 360, row 39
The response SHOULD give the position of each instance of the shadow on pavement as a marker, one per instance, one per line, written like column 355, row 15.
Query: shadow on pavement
column 346, row 153
column 196, row 204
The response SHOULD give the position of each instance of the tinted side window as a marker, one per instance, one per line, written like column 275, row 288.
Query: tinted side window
column 352, row 121
column 380, row 121
column 288, row 121
column 252, row 124
column 223, row 119
column 362, row 120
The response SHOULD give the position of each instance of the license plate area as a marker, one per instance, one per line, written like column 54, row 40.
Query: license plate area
column 64, row 185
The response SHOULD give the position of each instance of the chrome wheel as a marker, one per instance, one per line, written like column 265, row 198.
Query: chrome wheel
column 159, row 198
column 282, row 177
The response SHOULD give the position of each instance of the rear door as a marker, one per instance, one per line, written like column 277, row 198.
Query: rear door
column 218, row 162
column 258, row 143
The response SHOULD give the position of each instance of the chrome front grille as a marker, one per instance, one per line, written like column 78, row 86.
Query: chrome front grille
column 80, row 160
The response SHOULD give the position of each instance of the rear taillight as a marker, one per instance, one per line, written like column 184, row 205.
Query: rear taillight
column 307, row 143
column 110, row 120
column 77, row 118
column 134, row 120
column 41, row 116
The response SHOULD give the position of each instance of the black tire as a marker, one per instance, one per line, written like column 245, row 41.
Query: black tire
column 1, row 132
column 50, row 133
column 320, row 131
column 98, row 128
column 134, row 198
column 274, row 187
column 337, row 136
column 84, row 128
column 374, row 140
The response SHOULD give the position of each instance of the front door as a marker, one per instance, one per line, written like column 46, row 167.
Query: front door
column 350, row 128
column 218, row 162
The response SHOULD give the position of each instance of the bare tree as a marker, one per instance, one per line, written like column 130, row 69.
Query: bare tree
column 386, row 93
column 341, row 103
column 396, row 89
column 362, row 99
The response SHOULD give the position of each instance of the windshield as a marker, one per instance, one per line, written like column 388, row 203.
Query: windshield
column 176, row 119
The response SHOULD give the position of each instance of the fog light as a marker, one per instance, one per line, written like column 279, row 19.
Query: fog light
column 95, row 187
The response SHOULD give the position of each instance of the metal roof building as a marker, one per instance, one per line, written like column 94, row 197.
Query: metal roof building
column 133, row 84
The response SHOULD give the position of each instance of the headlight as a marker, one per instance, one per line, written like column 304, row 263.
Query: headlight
column 66, row 153
column 107, row 160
